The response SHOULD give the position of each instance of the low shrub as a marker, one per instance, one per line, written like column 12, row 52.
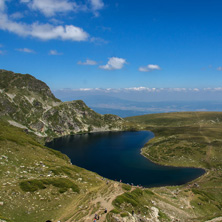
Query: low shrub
column 62, row 183
column 124, row 214
column 126, row 187
column 115, row 211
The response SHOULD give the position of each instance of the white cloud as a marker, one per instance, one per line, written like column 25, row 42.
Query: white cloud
column 153, row 67
column 16, row 15
column 43, row 31
column 177, row 89
column 213, row 89
column 48, row 30
column 96, row 4
column 143, row 69
column 2, row 5
column 56, row 21
column 149, row 68
column 88, row 62
column 219, row 68
column 114, row 63
column 218, row 89
column 142, row 89
column 51, row 7
column 54, row 52
column 98, row 41
column 85, row 89
column 26, row 50
column 67, row 32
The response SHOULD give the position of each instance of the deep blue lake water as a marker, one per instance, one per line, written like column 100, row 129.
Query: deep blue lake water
column 116, row 155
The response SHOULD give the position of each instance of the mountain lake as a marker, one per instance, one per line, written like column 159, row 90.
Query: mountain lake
column 116, row 156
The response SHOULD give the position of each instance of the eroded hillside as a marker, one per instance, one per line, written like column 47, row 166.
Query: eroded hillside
column 28, row 103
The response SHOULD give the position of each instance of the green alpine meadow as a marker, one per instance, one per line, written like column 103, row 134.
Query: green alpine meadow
column 110, row 111
column 38, row 183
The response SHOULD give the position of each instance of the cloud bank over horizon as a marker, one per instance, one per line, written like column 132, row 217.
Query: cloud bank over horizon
column 144, row 89
column 142, row 100
column 145, row 94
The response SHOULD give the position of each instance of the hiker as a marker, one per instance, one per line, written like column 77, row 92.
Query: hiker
column 105, row 211
column 133, row 212
column 95, row 216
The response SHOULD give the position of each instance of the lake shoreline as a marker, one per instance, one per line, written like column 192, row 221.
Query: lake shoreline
column 156, row 179
column 162, row 164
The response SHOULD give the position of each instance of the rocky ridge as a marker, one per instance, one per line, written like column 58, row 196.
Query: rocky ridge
column 28, row 103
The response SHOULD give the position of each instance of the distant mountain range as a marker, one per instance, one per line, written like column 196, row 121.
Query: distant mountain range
column 104, row 104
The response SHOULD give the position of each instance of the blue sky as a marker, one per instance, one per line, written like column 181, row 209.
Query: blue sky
column 114, row 44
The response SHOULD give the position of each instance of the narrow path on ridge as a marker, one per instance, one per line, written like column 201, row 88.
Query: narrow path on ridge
column 100, row 201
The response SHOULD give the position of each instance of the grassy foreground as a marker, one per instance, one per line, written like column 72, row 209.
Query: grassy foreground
column 39, row 184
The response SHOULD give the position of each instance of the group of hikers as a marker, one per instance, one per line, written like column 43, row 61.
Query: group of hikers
column 51, row 221
column 96, row 218
column 138, row 186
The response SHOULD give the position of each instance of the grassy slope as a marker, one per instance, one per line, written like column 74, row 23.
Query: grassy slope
column 48, row 171
column 38, row 183
column 187, row 139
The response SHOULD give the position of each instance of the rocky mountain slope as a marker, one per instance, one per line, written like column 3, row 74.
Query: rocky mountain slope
column 29, row 103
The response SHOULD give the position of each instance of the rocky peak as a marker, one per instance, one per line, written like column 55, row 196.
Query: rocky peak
column 15, row 82
column 29, row 102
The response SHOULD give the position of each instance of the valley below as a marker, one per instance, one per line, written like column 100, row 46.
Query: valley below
column 50, row 187
column 39, row 183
